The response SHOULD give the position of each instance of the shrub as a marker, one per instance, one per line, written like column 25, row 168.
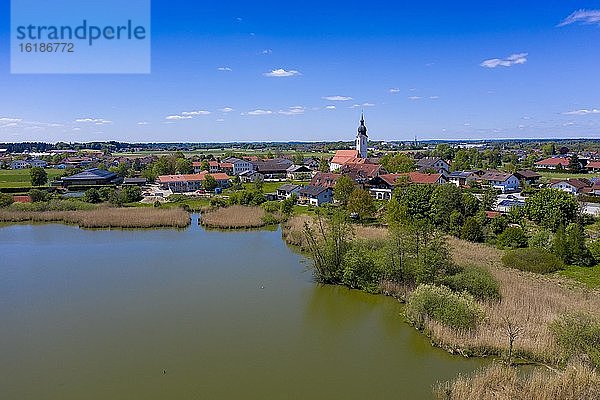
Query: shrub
column 271, row 206
column 471, row 230
column 270, row 219
column 595, row 250
column 513, row 237
column 360, row 268
column 478, row 281
column 541, row 239
column 455, row 310
column 217, row 202
column 38, row 195
column 532, row 260
column 92, row 196
column 578, row 335
column 5, row 200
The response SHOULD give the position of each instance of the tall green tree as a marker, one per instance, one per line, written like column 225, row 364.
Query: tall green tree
column 38, row 176
column 552, row 208
column 184, row 166
column 445, row 199
column 397, row 163
column 361, row 203
column 343, row 189
column 209, row 183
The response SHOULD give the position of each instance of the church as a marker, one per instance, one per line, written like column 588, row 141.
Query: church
column 357, row 156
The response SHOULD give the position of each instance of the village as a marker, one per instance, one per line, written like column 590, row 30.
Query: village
column 311, row 180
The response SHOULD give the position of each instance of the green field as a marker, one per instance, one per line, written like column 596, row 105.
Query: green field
column 20, row 177
column 561, row 175
column 588, row 276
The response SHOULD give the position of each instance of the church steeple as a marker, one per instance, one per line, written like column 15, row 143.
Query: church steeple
column 362, row 138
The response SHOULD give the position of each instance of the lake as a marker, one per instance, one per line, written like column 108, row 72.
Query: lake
column 195, row 314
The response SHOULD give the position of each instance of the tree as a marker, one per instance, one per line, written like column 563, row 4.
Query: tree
column 415, row 200
column 184, row 166
column 574, row 164
column 38, row 195
column 131, row 194
column 121, row 170
column 5, row 200
column 398, row 163
column 323, row 165
column 92, row 196
column 38, row 176
column 298, row 158
column 444, row 200
column 471, row 230
column 343, row 189
column 513, row 330
column 361, row 203
column 513, row 237
column 209, row 183
column 205, row 165
column 552, row 208
column 579, row 254
column 165, row 165
column 549, row 149
column 488, row 199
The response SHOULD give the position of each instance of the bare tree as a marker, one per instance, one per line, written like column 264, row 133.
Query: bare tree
column 513, row 330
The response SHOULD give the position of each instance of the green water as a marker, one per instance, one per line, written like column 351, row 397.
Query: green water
column 166, row 314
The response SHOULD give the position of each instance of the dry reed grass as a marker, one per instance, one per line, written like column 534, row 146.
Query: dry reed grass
column 576, row 382
column 128, row 218
column 234, row 217
column 529, row 301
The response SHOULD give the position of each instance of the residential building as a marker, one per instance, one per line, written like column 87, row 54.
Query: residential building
column 502, row 181
column 19, row 164
column 341, row 158
column 571, row 185
column 299, row 173
column 191, row 182
column 315, row 195
column 528, row 176
column 505, row 206
column 361, row 173
column 553, row 163
column 593, row 166
column 237, row 165
column 251, row 176
column 463, row 178
column 287, row 190
column 38, row 163
column 325, row 179
column 273, row 169
column 382, row 186
column 430, row 164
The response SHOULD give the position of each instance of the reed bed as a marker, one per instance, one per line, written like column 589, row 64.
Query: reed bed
column 127, row 218
column 530, row 302
column 234, row 217
column 498, row 382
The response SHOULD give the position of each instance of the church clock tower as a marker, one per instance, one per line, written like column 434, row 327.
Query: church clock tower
column 362, row 139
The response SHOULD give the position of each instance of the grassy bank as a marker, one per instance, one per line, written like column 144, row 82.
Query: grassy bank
column 128, row 218
column 235, row 217
column 530, row 302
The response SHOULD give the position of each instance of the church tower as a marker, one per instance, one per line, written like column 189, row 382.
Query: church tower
column 362, row 139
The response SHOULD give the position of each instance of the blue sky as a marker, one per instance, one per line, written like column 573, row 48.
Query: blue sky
column 248, row 71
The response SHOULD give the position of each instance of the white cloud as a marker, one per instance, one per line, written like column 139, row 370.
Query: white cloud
column 338, row 98
column 434, row 97
column 296, row 110
column 226, row 109
column 394, row 90
column 281, row 73
column 267, row 51
column 582, row 112
column 363, row 105
column 513, row 59
column 10, row 120
column 220, row 120
column 142, row 123
column 415, row 98
column 330, row 107
column 582, row 17
column 194, row 113
column 177, row 117
column 224, row 69
column 95, row 121
column 258, row 112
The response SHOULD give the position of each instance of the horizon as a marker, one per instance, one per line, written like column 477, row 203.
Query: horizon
column 238, row 73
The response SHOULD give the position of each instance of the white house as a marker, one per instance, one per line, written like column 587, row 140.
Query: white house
column 19, row 164
column 571, row 185
column 315, row 195
column 286, row 191
column 433, row 164
column 38, row 163
column 239, row 166
column 500, row 180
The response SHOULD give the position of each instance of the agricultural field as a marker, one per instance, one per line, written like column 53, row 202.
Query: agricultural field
column 222, row 153
column 547, row 175
column 20, row 177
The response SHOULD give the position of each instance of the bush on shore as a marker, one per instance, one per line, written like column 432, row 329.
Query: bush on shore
column 576, row 382
column 477, row 281
column 579, row 336
column 456, row 310
column 532, row 260
column 513, row 237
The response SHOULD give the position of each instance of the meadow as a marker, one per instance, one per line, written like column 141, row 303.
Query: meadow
column 17, row 178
